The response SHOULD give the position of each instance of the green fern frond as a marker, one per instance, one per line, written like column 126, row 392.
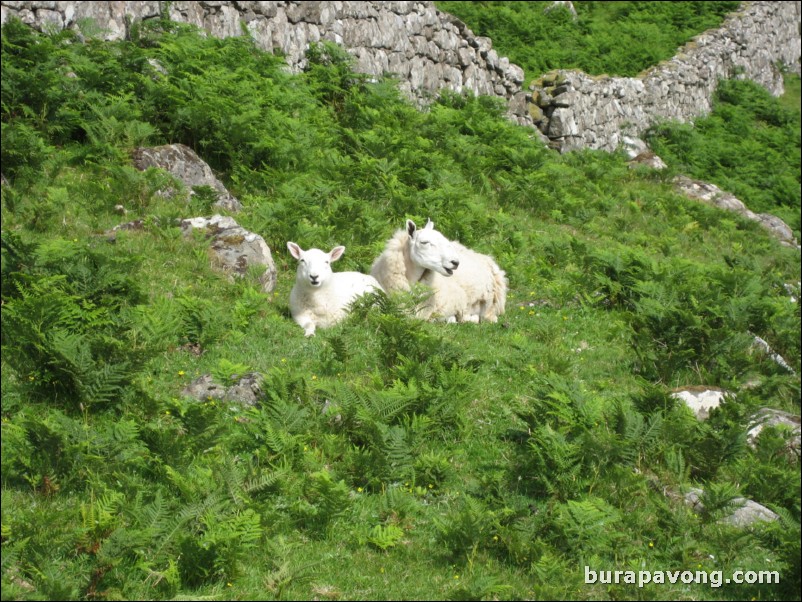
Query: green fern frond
column 278, row 440
column 106, row 383
column 675, row 462
column 391, row 402
column 397, row 450
column 292, row 417
column 263, row 481
column 214, row 502
column 386, row 536
column 234, row 479
column 153, row 517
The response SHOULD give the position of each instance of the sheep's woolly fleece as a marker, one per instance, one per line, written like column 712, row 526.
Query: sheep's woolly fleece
column 466, row 286
column 320, row 298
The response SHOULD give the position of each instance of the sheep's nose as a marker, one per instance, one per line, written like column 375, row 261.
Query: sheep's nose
column 455, row 263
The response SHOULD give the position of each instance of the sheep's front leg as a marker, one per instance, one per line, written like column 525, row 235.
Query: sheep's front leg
column 306, row 322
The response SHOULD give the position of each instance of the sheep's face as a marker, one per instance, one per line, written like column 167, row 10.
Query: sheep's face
column 314, row 265
column 430, row 250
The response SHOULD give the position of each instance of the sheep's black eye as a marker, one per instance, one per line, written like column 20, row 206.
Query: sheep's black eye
column 302, row 260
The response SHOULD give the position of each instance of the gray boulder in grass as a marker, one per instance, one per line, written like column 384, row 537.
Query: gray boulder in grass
column 234, row 249
column 184, row 164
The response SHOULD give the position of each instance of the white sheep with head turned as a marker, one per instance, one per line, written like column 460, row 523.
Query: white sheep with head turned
column 466, row 286
column 320, row 297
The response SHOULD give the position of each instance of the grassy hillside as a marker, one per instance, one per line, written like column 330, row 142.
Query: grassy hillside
column 388, row 458
column 616, row 38
column 749, row 145
column 747, row 129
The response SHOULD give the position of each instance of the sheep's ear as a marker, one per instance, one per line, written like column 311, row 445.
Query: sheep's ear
column 295, row 250
column 429, row 224
column 411, row 227
column 336, row 253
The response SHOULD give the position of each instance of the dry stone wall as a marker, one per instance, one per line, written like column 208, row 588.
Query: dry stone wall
column 576, row 110
column 429, row 50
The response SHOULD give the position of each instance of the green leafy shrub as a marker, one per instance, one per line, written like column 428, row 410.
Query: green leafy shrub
column 385, row 536
column 467, row 523
column 323, row 501
column 24, row 151
column 623, row 38
column 65, row 301
column 749, row 145
column 589, row 523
